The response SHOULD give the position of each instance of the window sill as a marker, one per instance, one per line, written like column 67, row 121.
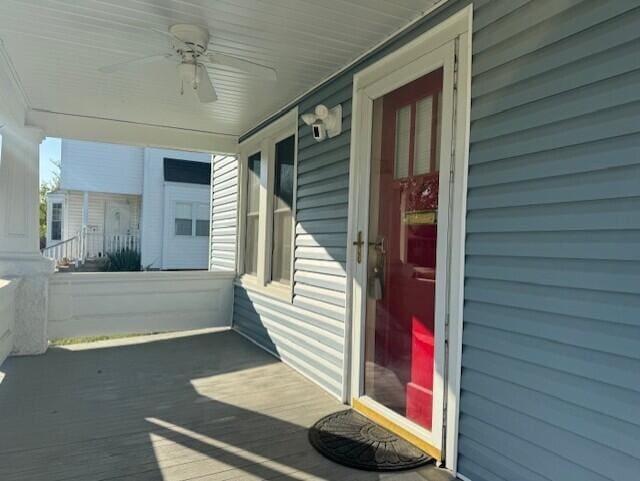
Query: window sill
column 275, row 290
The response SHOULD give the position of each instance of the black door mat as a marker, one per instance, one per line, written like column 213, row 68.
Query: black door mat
column 350, row 439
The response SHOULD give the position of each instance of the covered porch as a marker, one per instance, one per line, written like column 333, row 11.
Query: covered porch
column 206, row 405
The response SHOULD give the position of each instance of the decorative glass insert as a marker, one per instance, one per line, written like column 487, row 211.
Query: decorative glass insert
column 403, row 135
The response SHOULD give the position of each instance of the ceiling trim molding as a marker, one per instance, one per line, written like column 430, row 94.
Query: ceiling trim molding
column 13, row 97
column 70, row 126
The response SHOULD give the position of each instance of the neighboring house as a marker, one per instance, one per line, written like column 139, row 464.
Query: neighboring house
column 115, row 196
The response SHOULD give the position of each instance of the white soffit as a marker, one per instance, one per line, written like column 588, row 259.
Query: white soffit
column 57, row 46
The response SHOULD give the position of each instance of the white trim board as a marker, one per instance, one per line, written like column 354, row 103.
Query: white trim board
column 397, row 68
column 96, row 129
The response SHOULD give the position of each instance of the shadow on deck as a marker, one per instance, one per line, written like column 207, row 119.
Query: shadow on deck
column 170, row 407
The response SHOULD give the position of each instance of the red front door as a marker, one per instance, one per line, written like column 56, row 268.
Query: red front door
column 399, row 349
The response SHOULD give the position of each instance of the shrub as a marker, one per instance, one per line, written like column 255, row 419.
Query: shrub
column 122, row 260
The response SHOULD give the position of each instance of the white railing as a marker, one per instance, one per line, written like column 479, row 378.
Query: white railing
column 90, row 244
column 64, row 252
column 118, row 242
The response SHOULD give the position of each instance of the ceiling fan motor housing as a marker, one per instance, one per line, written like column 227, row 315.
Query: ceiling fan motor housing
column 193, row 36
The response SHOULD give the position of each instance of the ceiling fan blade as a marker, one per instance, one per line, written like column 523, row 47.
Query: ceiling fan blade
column 267, row 73
column 136, row 61
column 205, row 91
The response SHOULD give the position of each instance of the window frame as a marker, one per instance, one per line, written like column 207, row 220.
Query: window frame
column 60, row 220
column 194, row 219
column 265, row 142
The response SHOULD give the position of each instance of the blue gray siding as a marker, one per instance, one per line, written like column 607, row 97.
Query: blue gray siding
column 551, row 359
column 551, row 355
column 224, row 209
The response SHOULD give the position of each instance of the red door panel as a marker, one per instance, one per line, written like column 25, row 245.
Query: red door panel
column 402, row 355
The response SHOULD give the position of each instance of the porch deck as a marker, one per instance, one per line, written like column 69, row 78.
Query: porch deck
column 207, row 406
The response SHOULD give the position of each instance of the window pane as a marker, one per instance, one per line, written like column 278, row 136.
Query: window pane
column 202, row 212
column 283, row 187
column 56, row 230
column 253, row 183
column 56, row 221
column 253, row 206
column 281, row 263
column 282, row 208
column 251, row 246
column 56, row 211
column 422, row 155
column 202, row 228
column 403, row 135
column 183, row 227
column 183, row 210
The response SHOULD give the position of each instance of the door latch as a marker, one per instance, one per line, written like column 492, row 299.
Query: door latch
column 359, row 243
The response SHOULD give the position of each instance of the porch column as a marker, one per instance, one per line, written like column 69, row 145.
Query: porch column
column 20, row 256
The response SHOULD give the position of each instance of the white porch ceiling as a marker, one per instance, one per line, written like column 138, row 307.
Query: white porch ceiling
column 57, row 46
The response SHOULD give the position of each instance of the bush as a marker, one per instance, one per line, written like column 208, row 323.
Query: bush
column 122, row 260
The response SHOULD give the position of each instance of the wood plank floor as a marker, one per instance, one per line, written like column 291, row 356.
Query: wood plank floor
column 205, row 406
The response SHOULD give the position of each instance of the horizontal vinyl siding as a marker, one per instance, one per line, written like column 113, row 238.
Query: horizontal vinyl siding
column 551, row 365
column 310, row 342
column 224, row 213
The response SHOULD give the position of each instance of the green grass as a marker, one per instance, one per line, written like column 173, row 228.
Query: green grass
column 67, row 341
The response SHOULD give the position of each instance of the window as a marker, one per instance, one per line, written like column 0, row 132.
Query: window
column 202, row 220
column 253, row 214
column 268, row 183
column 184, row 219
column 56, row 221
column 282, row 210
column 186, row 224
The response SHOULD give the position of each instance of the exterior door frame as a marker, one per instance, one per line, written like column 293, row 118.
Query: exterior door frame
column 452, row 41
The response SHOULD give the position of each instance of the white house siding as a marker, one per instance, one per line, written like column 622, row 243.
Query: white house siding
column 97, row 206
column 224, row 215
column 183, row 252
column 153, row 218
column 551, row 365
column 100, row 167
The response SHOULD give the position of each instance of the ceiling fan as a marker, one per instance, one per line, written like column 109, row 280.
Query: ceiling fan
column 190, row 45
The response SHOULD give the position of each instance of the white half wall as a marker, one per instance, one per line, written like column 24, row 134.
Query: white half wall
column 7, row 316
column 90, row 304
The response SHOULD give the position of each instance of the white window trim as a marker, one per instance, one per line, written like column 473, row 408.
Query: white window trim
column 56, row 198
column 265, row 142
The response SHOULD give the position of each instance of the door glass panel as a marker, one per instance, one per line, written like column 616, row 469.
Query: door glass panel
column 424, row 113
column 403, row 131
column 400, row 314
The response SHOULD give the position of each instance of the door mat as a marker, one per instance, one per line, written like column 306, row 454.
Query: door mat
column 350, row 439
